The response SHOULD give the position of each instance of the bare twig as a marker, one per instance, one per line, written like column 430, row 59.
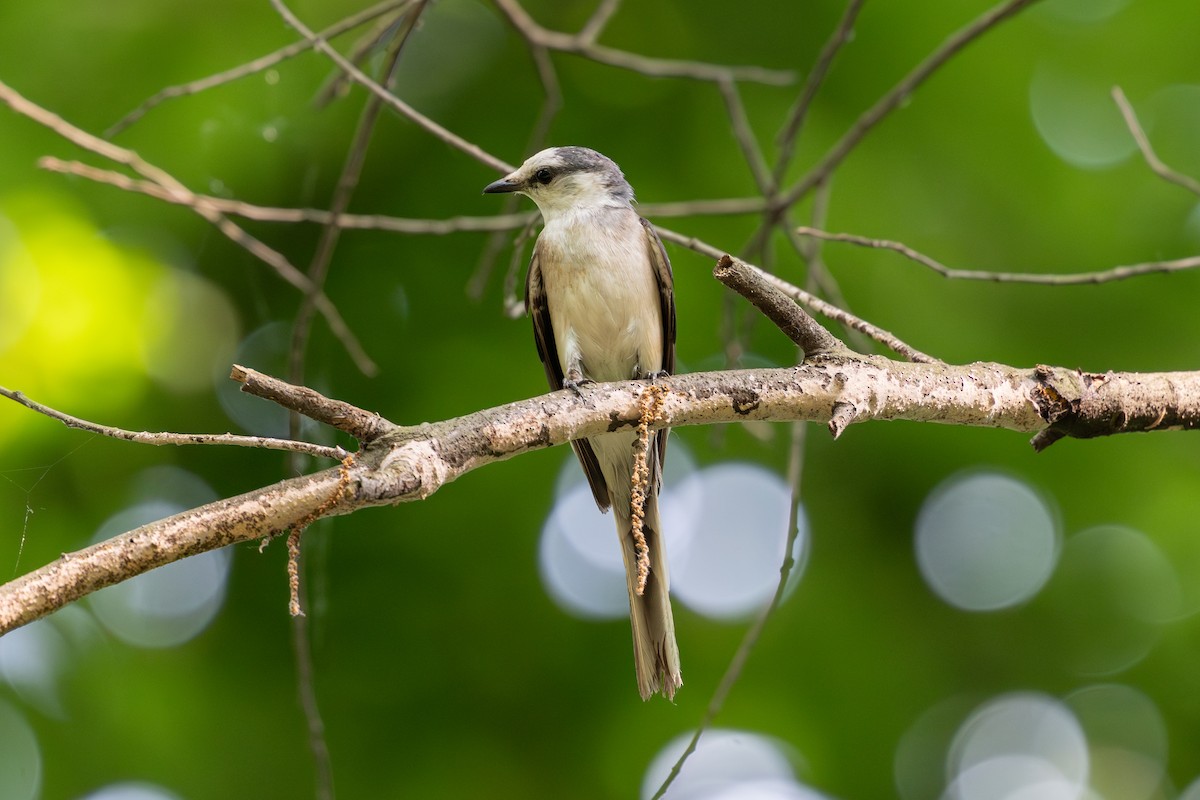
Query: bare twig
column 380, row 222
column 318, row 271
column 1049, row 279
column 894, row 97
column 320, row 216
column 1152, row 160
column 411, row 463
column 362, row 425
column 744, row 135
column 161, row 438
column 580, row 44
column 360, row 77
column 184, row 196
column 306, row 689
column 816, row 76
column 598, row 21
column 742, row 655
column 318, row 268
column 811, row 301
column 552, row 102
column 514, row 306
column 251, row 67
column 818, row 279
column 797, row 325
column 337, row 85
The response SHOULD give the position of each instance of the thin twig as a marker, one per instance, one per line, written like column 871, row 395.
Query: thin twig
column 810, row 300
column 320, row 216
column 818, row 279
column 251, row 67
column 381, row 222
column 370, row 42
column 162, row 438
column 363, row 425
column 750, row 282
column 742, row 655
column 816, row 76
column 552, row 101
column 579, row 44
column 318, row 269
column 894, row 97
column 744, row 135
column 598, row 21
column 1152, row 160
column 306, row 689
column 360, row 77
column 514, row 307
column 1046, row 279
column 184, row 196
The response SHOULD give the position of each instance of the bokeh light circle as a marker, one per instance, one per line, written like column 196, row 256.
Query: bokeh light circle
column 32, row 658
column 1192, row 792
column 986, row 541
column 1113, row 592
column 731, row 567
column 1127, row 739
column 1075, row 12
column 728, row 765
column 1018, row 745
column 580, row 560
column 20, row 757
column 132, row 790
column 1075, row 116
column 168, row 605
column 265, row 349
column 919, row 761
column 579, row 557
column 190, row 331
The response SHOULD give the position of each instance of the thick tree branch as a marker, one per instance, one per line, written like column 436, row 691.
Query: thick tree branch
column 410, row 463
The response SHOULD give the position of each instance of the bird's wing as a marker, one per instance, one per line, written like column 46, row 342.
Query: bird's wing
column 666, row 298
column 538, row 308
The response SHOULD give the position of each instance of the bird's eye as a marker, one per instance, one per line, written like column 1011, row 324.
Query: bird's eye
column 543, row 175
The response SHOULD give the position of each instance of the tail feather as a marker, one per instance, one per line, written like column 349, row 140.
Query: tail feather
column 655, row 653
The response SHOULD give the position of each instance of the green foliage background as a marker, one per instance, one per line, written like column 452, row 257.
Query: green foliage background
column 442, row 667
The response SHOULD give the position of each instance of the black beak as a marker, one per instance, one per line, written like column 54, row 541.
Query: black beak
column 501, row 186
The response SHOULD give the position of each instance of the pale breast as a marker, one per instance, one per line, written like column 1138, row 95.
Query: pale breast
column 602, row 294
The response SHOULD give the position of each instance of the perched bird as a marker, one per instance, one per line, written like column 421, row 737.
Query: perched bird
column 602, row 299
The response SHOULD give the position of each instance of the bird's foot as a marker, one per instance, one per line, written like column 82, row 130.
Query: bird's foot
column 575, row 383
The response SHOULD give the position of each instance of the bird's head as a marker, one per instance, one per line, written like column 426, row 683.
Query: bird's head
column 564, row 179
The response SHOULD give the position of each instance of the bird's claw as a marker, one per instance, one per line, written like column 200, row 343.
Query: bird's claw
column 574, row 384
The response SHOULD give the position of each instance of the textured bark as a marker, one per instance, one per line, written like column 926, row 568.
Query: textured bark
column 401, row 464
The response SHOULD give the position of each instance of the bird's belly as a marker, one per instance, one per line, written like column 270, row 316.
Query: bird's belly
column 610, row 319
column 603, row 296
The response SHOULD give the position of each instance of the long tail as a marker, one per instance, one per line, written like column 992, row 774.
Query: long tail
column 655, row 653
